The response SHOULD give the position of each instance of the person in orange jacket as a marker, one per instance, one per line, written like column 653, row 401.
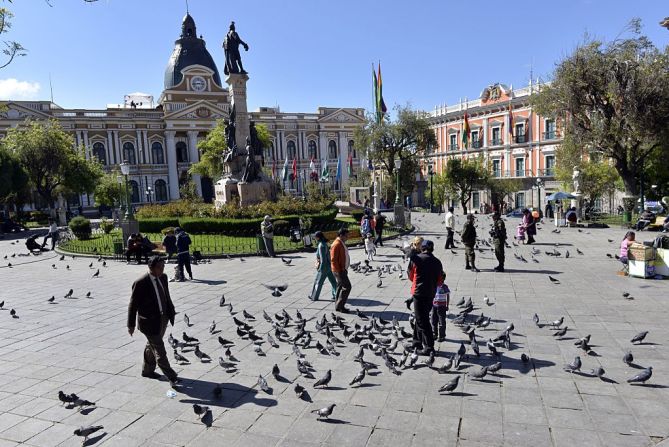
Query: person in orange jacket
column 340, row 261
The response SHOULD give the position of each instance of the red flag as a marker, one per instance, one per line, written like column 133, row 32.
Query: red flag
column 294, row 168
column 510, row 119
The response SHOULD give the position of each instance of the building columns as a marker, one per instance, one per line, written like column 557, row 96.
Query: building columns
column 343, row 157
column 86, row 148
column 111, row 156
column 172, row 175
column 194, row 157
column 141, row 159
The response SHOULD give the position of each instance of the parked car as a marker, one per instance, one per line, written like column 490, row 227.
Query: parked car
column 517, row 212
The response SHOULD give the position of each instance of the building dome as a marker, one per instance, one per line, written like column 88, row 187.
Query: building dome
column 188, row 50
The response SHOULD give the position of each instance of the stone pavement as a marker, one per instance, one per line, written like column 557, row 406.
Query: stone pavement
column 81, row 345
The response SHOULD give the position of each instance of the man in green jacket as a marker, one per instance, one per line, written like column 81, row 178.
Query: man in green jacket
column 324, row 270
column 469, row 241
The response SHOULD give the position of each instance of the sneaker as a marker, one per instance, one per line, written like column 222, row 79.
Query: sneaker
column 467, row 267
column 151, row 375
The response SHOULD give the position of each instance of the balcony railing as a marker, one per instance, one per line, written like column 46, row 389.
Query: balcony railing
column 497, row 173
column 476, row 144
column 452, row 147
column 519, row 139
column 496, row 142
column 550, row 135
column 549, row 172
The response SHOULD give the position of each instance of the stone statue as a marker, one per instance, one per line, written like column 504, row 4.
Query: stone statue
column 251, row 167
column 233, row 60
column 230, row 138
column 576, row 177
column 255, row 142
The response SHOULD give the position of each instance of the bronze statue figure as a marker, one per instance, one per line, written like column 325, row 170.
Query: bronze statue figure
column 251, row 167
column 233, row 60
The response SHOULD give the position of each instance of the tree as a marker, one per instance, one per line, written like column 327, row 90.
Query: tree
column 11, row 48
column 408, row 138
column 500, row 189
column 212, row 149
column 462, row 176
column 51, row 161
column 109, row 192
column 613, row 98
column 13, row 178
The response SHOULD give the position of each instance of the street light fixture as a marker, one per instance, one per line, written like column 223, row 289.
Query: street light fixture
column 398, row 165
column 539, row 183
column 148, row 191
column 125, row 170
column 430, row 171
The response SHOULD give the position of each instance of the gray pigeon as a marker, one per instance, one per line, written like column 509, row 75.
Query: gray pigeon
column 573, row 366
column 87, row 431
column 598, row 372
column 358, row 378
column 448, row 364
column 638, row 338
column 324, row 412
column 186, row 319
column 481, row 373
column 495, row 367
column 299, row 390
column 262, row 383
column 628, row 358
column 450, row 386
column 325, row 380
column 642, row 377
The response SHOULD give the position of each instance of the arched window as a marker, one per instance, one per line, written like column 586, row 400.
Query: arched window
column 129, row 153
column 134, row 187
column 182, row 152
column 313, row 150
column 161, row 190
column 332, row 149
column 351, row 149
column 99, row 153
column 157, row 153
column 291, row 149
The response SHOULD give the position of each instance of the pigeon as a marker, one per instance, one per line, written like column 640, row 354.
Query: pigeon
column 96, row 274
column 13, row 313
column 638, row 338
column 2, row 304
column 299, row 390
column 557, row 323
column 361, row 315
column 201, row 355
column 66, row 398
column 88, row 294
column 597, row 372
column 579, row 251
column 187, row 319
column 275, row 371
column 262, row 383
column 90, row 266
column 573, row 366
column 561, row 332
column 212, row 328
column 52, row 299
column 69, row 294
column 491, row 347
column 276, row 289
column 200, row 410
column 554, row 280
column 78, row 402
column 286, row 261
column 450, row 386
column 566, row 255
column 188, row 339
column 358, row 378
column 221, row 302
column 495, row 367
column 180, row 358
column 535, row 318
column 224, row 342
column 642, row 377
column 380, row 283
column 628, row 358
column 448, row 364
column 226, row 365
column 524, row 358
column 324, row 412
column 481, row 373
column 247, row 315
column 87, row 431
column 461, row 302
column 627, row 296
column 325, row 380
column 53, row 266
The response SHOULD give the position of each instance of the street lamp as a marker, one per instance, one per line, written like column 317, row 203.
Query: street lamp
column 398, row 165
column 125, row 170
column 148, row 191
column 121, row 205
column 540, row 183
column 430, row 172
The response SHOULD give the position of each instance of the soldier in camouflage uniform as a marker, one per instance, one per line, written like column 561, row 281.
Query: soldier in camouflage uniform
column 468, row 237
column 498, row 234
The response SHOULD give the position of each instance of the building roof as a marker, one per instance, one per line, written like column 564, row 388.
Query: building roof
column 188, row 50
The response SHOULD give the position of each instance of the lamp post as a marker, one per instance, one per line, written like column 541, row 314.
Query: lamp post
column 148, row 192
column 430, row 171
column 398, row 165
column 121, row 205
column 125, row 170
column 539, row 183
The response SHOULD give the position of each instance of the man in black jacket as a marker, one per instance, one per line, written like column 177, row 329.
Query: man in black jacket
column 151, row 302
column 468, row 237
column 425, row 276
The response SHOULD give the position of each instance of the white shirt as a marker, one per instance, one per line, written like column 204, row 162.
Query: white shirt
column 53, row 228
column 450, row 220
column 155, row 288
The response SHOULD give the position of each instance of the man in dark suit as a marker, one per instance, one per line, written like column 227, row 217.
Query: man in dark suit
column 151, row 302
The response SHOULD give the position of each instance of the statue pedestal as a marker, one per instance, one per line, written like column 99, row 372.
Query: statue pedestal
column 575, row 203
column 256, row 192
column 400, row 221
column 225, row 191
column 237, row 83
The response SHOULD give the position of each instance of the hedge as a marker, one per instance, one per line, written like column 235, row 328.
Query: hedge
column 211, row 225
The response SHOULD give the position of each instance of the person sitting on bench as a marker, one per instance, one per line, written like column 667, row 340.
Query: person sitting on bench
column 646, row 218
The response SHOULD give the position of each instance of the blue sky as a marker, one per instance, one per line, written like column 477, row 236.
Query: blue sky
column 309, row 53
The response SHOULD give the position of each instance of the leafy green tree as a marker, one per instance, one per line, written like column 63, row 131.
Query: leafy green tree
column 188, row 192
column 109, row 192
column 613, row 98
column 463, row 176
column 13, row 178
column 53, row 164
column 501, row 188
column 408, row 138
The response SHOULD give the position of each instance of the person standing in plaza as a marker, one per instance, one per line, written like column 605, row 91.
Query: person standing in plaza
column 323, row 268
column 530, row 224
column 52, row 234
column 468, row 237
column 450, row 226
column 340, row 260
column 380, row 221
column 183, row 253
column 170, row 244
column 498, row 234
column 440, row 309
column 425, row 275
column 150, row 300
column 267, row 231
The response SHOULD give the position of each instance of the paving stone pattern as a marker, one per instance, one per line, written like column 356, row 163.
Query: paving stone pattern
column 81, row 345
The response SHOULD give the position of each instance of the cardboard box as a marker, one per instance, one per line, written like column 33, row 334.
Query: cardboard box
column 642, row 269
column 639, row 252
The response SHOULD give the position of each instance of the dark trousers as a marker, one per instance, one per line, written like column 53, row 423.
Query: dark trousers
column 343, row 289
column 155, row 354
column 470, row 256
column 54, row 238
column 422, row 332
column 379, row 232
column 530, row 238
column 449, row 238
column 183, row 260
column 439, row 321
column 137, row 252
column 321, row 276
column 499, row 252
column 269, row 246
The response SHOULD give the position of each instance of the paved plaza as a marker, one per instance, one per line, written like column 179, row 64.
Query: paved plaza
column 81, row 345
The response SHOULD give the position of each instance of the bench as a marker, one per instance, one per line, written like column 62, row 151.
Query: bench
column 656, row 225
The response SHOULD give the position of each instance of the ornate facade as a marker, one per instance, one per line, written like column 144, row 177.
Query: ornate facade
column 514, row 141
column 160, row 140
